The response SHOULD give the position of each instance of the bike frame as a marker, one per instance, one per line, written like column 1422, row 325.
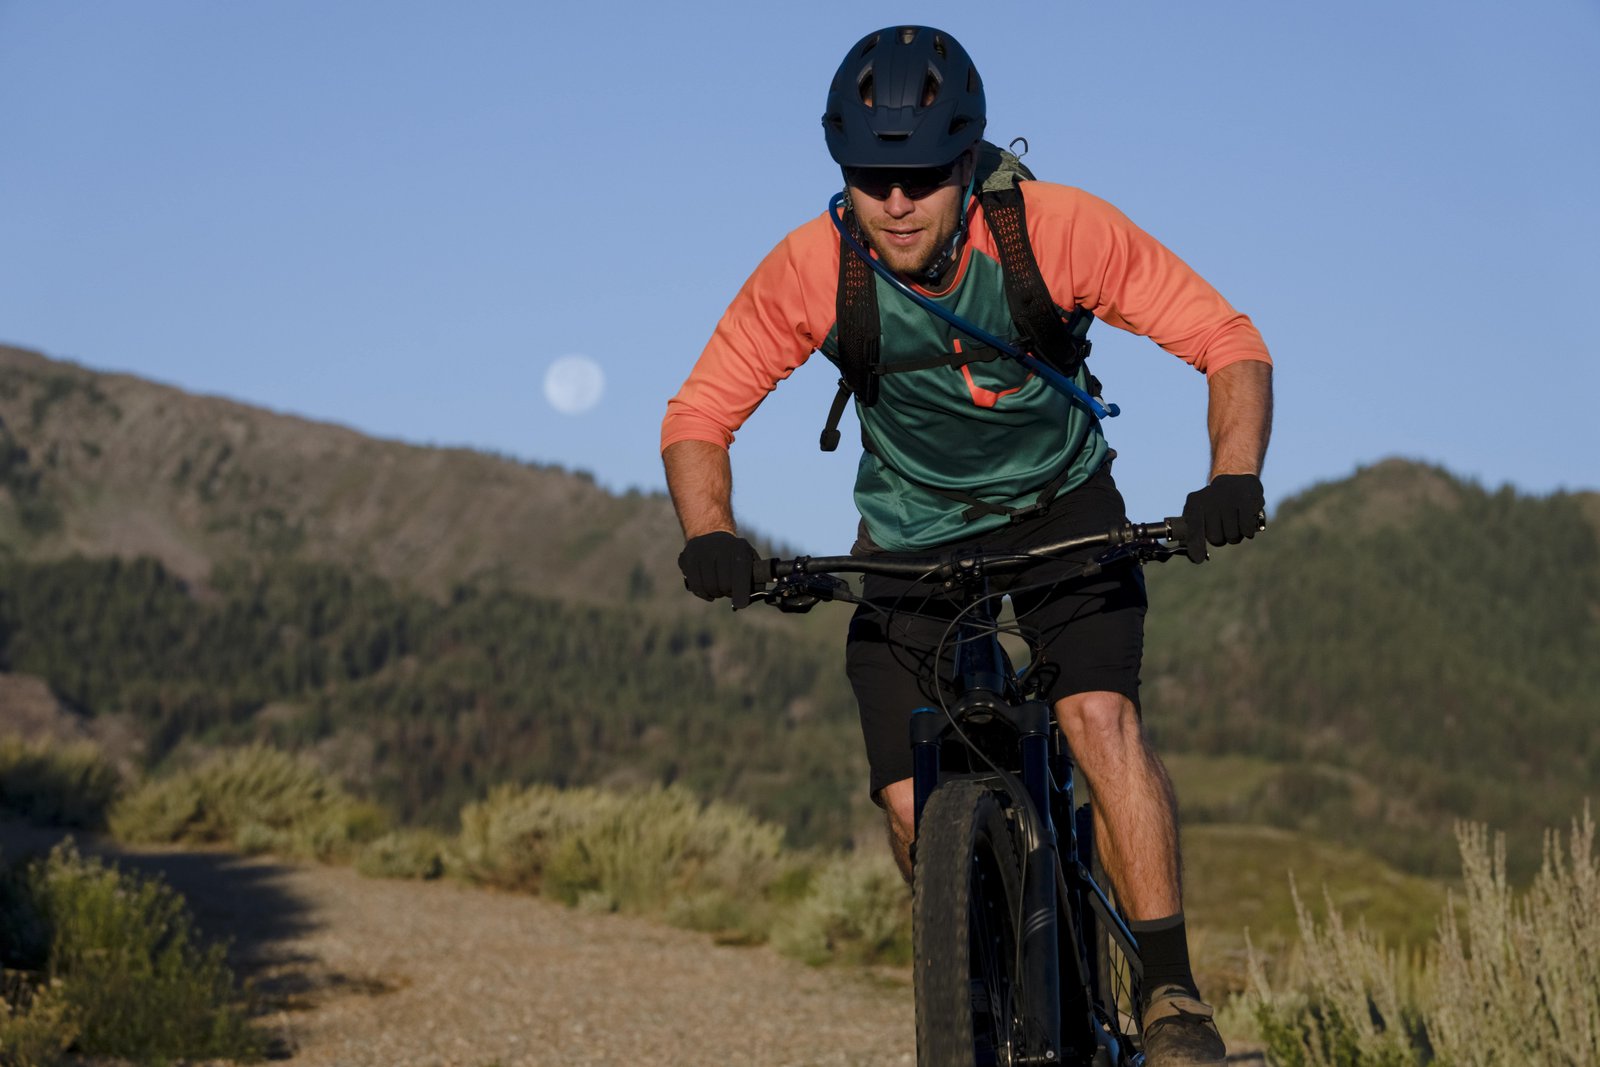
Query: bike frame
column 1061, row 901
column 1063, row 908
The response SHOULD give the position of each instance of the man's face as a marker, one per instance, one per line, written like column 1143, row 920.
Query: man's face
column 906, row 222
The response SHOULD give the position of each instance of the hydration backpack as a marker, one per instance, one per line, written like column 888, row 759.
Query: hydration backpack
column 1060, row 342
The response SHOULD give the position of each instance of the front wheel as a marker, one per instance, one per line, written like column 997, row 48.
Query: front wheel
column 1114, row 996
column 966, row 902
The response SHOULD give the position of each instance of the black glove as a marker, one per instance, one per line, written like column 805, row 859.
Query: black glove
column 1225, row 512
column 718, row 564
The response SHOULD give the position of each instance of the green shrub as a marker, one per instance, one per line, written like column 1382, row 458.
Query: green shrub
column 123, row 972
column 659, row 851
column 404, row 854
column 36, row 1026
column 65, row 785
column 1520, row 983
column 507, row 839
column 256, row 799
column 857, row 910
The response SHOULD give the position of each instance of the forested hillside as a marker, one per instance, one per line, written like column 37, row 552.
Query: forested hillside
column 424, row 705
column 1398, row 650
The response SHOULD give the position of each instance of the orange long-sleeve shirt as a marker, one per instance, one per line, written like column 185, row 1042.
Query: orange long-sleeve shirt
column 1089, row 253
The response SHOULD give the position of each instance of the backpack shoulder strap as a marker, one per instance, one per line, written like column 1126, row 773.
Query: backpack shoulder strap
column 857, row 331
column 1062, row 344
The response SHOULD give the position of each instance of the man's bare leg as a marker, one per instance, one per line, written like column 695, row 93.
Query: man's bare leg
column 1135, row 809
column 899, row 806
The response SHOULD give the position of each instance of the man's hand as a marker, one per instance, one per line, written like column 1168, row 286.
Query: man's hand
column 1227, row 511
column 718, row 564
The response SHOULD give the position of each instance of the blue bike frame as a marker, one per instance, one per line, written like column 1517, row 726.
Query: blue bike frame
column 986, row 688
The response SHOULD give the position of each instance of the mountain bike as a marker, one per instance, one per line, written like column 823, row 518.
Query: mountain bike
column 1022, row 957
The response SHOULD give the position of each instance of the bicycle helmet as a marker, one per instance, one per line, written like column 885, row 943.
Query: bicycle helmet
column 905, row 96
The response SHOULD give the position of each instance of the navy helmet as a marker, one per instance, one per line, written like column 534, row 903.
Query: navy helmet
column 905, row 96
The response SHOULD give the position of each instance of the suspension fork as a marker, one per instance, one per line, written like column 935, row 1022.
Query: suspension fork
column 985, row 684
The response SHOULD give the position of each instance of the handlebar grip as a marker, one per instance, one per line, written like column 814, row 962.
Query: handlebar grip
column 1168, row 529
column 762, row 571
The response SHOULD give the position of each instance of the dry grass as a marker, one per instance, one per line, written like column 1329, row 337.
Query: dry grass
column 1521, row 984
column 1234, row 883
column 1516, row 979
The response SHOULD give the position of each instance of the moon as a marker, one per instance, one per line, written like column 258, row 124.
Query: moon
column 574, row 384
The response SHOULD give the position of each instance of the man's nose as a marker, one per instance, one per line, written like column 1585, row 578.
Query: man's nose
column 898, row 204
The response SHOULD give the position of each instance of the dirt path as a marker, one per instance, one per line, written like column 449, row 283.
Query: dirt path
column 364, row 972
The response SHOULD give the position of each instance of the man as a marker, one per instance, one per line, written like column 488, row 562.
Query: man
column 963, row 448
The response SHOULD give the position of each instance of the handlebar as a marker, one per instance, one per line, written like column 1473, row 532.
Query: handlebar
column 960, row 563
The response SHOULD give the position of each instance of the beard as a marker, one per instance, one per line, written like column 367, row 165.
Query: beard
column 927, row 230
column 916, row 257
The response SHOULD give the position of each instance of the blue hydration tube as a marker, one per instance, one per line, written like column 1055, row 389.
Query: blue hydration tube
column 1047, row 373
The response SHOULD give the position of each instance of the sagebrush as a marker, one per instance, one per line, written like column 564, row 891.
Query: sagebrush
column 1514, row 979
column 706, row 866
column 57, row 785
column 108, row 963
column 638, row 852
column 256, row 799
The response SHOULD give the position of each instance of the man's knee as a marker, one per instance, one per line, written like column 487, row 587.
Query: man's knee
column 899, row 808
column 1097, row 715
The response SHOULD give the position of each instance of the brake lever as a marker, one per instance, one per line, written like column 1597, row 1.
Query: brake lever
column 800, row 593
column 1158, row 551
column 1143, row 551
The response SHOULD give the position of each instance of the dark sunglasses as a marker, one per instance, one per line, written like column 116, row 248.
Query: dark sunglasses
column 915, row 182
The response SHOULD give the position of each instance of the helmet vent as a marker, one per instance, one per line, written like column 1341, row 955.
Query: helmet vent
column 903, row 96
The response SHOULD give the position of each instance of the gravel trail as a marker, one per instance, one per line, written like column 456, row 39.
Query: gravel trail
column 362, row 972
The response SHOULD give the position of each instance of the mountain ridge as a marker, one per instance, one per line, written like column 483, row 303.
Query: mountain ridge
column 99, row 463
column 1401, row 648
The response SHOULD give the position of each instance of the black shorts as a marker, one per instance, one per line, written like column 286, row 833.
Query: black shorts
column 1091, row 629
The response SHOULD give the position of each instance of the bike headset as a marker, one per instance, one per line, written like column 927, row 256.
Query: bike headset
column 910, row 96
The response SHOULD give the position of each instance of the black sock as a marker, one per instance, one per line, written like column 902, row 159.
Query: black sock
column 1164, row 949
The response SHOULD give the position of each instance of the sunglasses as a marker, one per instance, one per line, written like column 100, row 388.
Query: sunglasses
column 915, row 182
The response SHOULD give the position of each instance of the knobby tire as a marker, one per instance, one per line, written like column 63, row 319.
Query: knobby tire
column 967, row 891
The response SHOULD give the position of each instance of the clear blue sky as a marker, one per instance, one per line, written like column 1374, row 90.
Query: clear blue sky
column 396, row 215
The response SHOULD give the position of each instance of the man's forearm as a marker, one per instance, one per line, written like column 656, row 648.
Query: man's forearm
column 1240, row 417
column 700, row 479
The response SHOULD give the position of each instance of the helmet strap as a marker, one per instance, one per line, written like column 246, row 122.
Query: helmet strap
column 934, row 273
